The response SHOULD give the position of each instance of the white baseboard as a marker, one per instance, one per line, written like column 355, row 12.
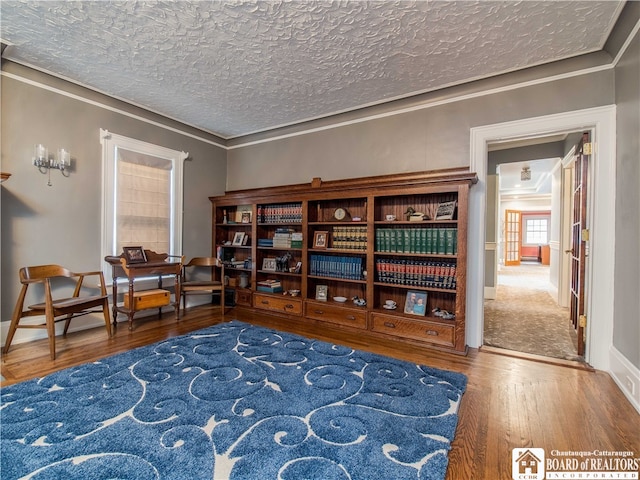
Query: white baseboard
column 489, row 293
column 85, row 322
column 24, row 335
column 626, row 375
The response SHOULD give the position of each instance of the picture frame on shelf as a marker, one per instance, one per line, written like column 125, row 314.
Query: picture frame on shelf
column 322, row 292
column 446, row 210
column 245, row 239
column 416, row 303
column 269, row 264
column 245, row 217
column 238, row 237
column 320, row 239
column 134, row 255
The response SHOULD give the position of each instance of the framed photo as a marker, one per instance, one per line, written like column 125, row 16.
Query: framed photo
column 134, row 254
column 269, row 264
column 320, row 239
column 416, row 303
column 245, row 239
column 237, row 238
column 446, row 210
column 322, row 291
column 240, row 216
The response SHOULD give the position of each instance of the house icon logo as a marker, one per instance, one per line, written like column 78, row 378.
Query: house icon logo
column 527, row 463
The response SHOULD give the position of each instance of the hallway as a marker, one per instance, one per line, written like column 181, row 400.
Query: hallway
column 525, row 318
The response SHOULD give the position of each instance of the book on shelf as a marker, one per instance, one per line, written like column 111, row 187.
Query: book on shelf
column 348, row 268
column 270, row 286
column 280, row 213
column 417, row 273
column 349, row 237
column 430, row 241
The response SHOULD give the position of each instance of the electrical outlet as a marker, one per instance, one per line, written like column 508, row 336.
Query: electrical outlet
column 631, row 386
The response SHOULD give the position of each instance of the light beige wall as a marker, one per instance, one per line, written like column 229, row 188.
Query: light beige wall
column 626, row 329
column 62, row 223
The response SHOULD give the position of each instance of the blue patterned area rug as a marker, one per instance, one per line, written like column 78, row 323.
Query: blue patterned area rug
column 233, row 401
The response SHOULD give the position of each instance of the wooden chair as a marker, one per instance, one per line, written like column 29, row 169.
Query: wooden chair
column 193, row 286
column 51, row 308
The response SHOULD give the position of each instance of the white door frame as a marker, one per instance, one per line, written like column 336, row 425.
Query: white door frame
column 600, row 263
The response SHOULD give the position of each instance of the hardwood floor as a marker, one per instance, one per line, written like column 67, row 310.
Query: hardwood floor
column 509, row 402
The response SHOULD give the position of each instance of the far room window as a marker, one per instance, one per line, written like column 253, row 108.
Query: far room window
column 142, row 200
column 536, row 230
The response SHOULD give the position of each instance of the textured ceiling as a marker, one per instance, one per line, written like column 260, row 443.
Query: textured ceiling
column 238, row 67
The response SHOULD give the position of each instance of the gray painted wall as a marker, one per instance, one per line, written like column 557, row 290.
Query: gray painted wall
column 626, row 329
column 492, row 222
column 430, row 138
column 62, row 223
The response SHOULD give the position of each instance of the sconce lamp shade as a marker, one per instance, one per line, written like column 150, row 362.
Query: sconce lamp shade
column 44, row 163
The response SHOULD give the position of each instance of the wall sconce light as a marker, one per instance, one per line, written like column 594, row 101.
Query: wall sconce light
column 525, row 174
column 44, row 163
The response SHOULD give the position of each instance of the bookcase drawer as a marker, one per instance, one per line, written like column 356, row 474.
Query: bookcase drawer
column 147, row 299
column 278, row 304
column 422, row 330
column 243, row 297
column 327, row 312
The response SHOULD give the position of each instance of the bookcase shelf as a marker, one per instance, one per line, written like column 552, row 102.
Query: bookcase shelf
column 338, row 237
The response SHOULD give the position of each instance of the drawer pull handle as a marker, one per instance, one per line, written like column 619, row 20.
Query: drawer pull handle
column 389, row 325
column 288, row 306
column 319, row 312
column 350, row 317
column 432, row 332
column 265, row 302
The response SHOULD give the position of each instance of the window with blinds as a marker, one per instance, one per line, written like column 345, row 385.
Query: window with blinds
column 142, row 196
column 143, row 201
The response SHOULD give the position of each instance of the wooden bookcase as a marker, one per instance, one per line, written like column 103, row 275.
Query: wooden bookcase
column 337, row 236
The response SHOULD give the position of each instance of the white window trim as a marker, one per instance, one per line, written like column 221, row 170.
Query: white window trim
column 109, row 142
column 526, row 217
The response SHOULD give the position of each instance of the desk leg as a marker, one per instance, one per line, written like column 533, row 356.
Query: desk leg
column 176, row 305
column 114, row 289
column 131, row 305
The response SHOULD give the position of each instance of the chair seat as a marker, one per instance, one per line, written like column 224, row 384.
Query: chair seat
column 69, row 302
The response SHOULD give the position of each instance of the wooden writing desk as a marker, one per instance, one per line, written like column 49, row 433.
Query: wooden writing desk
column 157, row 265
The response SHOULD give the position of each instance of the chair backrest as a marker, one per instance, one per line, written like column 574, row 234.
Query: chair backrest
column 202, row 262
column 41, row 272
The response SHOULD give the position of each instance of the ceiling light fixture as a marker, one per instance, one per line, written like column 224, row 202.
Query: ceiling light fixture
column 525, row 174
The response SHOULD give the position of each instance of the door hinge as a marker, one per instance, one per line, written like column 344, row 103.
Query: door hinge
column 586, row 148
column 582, row 321
column 585, row 235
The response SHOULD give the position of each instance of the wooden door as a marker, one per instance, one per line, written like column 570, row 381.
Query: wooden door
column 579, row 237
column 512, row 237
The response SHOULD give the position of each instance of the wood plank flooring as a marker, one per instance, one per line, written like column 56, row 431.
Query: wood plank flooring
column 509, row 402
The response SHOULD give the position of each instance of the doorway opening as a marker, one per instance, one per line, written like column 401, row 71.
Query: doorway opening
column 526, row 307
column 601, row 121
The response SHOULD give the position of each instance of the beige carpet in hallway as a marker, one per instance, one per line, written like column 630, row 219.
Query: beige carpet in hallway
column 525, row 318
